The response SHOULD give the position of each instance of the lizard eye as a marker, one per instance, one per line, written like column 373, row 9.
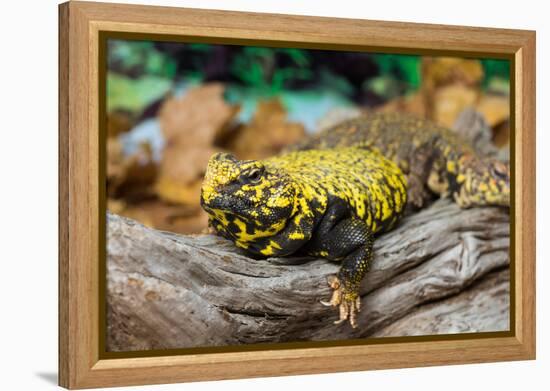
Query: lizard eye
column 252, row 176
column 500, row 170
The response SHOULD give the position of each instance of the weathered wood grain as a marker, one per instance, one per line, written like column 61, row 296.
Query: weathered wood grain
column 172, row 291
column 482, row 307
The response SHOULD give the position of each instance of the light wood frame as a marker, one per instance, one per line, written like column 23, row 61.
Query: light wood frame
column 80, row 361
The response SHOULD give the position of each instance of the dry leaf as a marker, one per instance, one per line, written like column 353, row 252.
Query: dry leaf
column 115, row 161
column 267, row 133
column 184, row 189
column 190, row 125
column 129, row 175
column 442, row 71
column 118, row 122
column 412, row 104
column 195, row 119
column 168, row 217
column 495, row 108
column 450, row 101
column 116, row 206
column 501, row 134
column 449, row 85
column 185, row 165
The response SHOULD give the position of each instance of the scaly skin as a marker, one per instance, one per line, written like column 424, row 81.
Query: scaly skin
column 432, row 157
column 327, row 203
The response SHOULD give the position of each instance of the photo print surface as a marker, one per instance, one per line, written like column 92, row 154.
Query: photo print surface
column 263, row 196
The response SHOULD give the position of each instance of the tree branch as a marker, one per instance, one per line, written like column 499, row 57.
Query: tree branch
column 442, row 270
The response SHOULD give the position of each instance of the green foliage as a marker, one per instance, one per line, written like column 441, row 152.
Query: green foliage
column 140, row 71
column 386, row 86
column 404, row 68
column 200, row 47
column 256, row 67
column 333, row 82
column 495, row 69
column 140, row 57
column 134, row 95
column 299, row 56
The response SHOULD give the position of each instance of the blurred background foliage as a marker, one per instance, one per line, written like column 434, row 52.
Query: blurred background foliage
column 364, row 78
column 171, row 105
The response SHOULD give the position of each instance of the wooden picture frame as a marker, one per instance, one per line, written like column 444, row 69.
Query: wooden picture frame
column 81, row 160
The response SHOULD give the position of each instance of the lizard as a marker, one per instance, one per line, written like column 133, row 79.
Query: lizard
column 433, row 158
column 324, row 203
column 335, row 191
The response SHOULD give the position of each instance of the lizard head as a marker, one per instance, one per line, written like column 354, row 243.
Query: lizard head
column 245, row 199
column 482, row 181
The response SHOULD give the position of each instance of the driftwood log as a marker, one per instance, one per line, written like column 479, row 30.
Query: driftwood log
column 442, row 270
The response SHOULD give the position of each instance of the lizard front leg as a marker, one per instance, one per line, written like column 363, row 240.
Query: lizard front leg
column 417, row 176
column 351, row 241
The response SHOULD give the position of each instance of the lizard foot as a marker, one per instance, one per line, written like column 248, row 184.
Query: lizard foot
column 418, row 196
column 349, row 302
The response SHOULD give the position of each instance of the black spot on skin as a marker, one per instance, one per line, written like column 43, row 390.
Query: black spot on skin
column 233, row 229
column 249, row 228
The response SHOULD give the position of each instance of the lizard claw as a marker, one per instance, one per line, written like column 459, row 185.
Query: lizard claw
column 349, row 303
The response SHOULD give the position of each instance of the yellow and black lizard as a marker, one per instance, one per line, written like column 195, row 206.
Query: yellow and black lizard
column 332, row 196
column 434, row 159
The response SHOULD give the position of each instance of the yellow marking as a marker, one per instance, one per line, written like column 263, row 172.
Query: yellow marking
column 208, row 192
column 220, row 216
column 492, row 198
column 241, row 244
column 278, row 202
column 268, row 250
column 397, row 198
column 242, row 235
column 369, row 219
column 296, row 235
column 386, row 211
column 468, row 184
column 257, row 234
column 451, row 166
column 493, row 186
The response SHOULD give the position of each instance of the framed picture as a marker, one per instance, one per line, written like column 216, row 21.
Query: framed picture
column 247, row 195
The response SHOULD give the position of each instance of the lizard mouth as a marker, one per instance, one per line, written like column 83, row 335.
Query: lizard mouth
column 228, row 204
